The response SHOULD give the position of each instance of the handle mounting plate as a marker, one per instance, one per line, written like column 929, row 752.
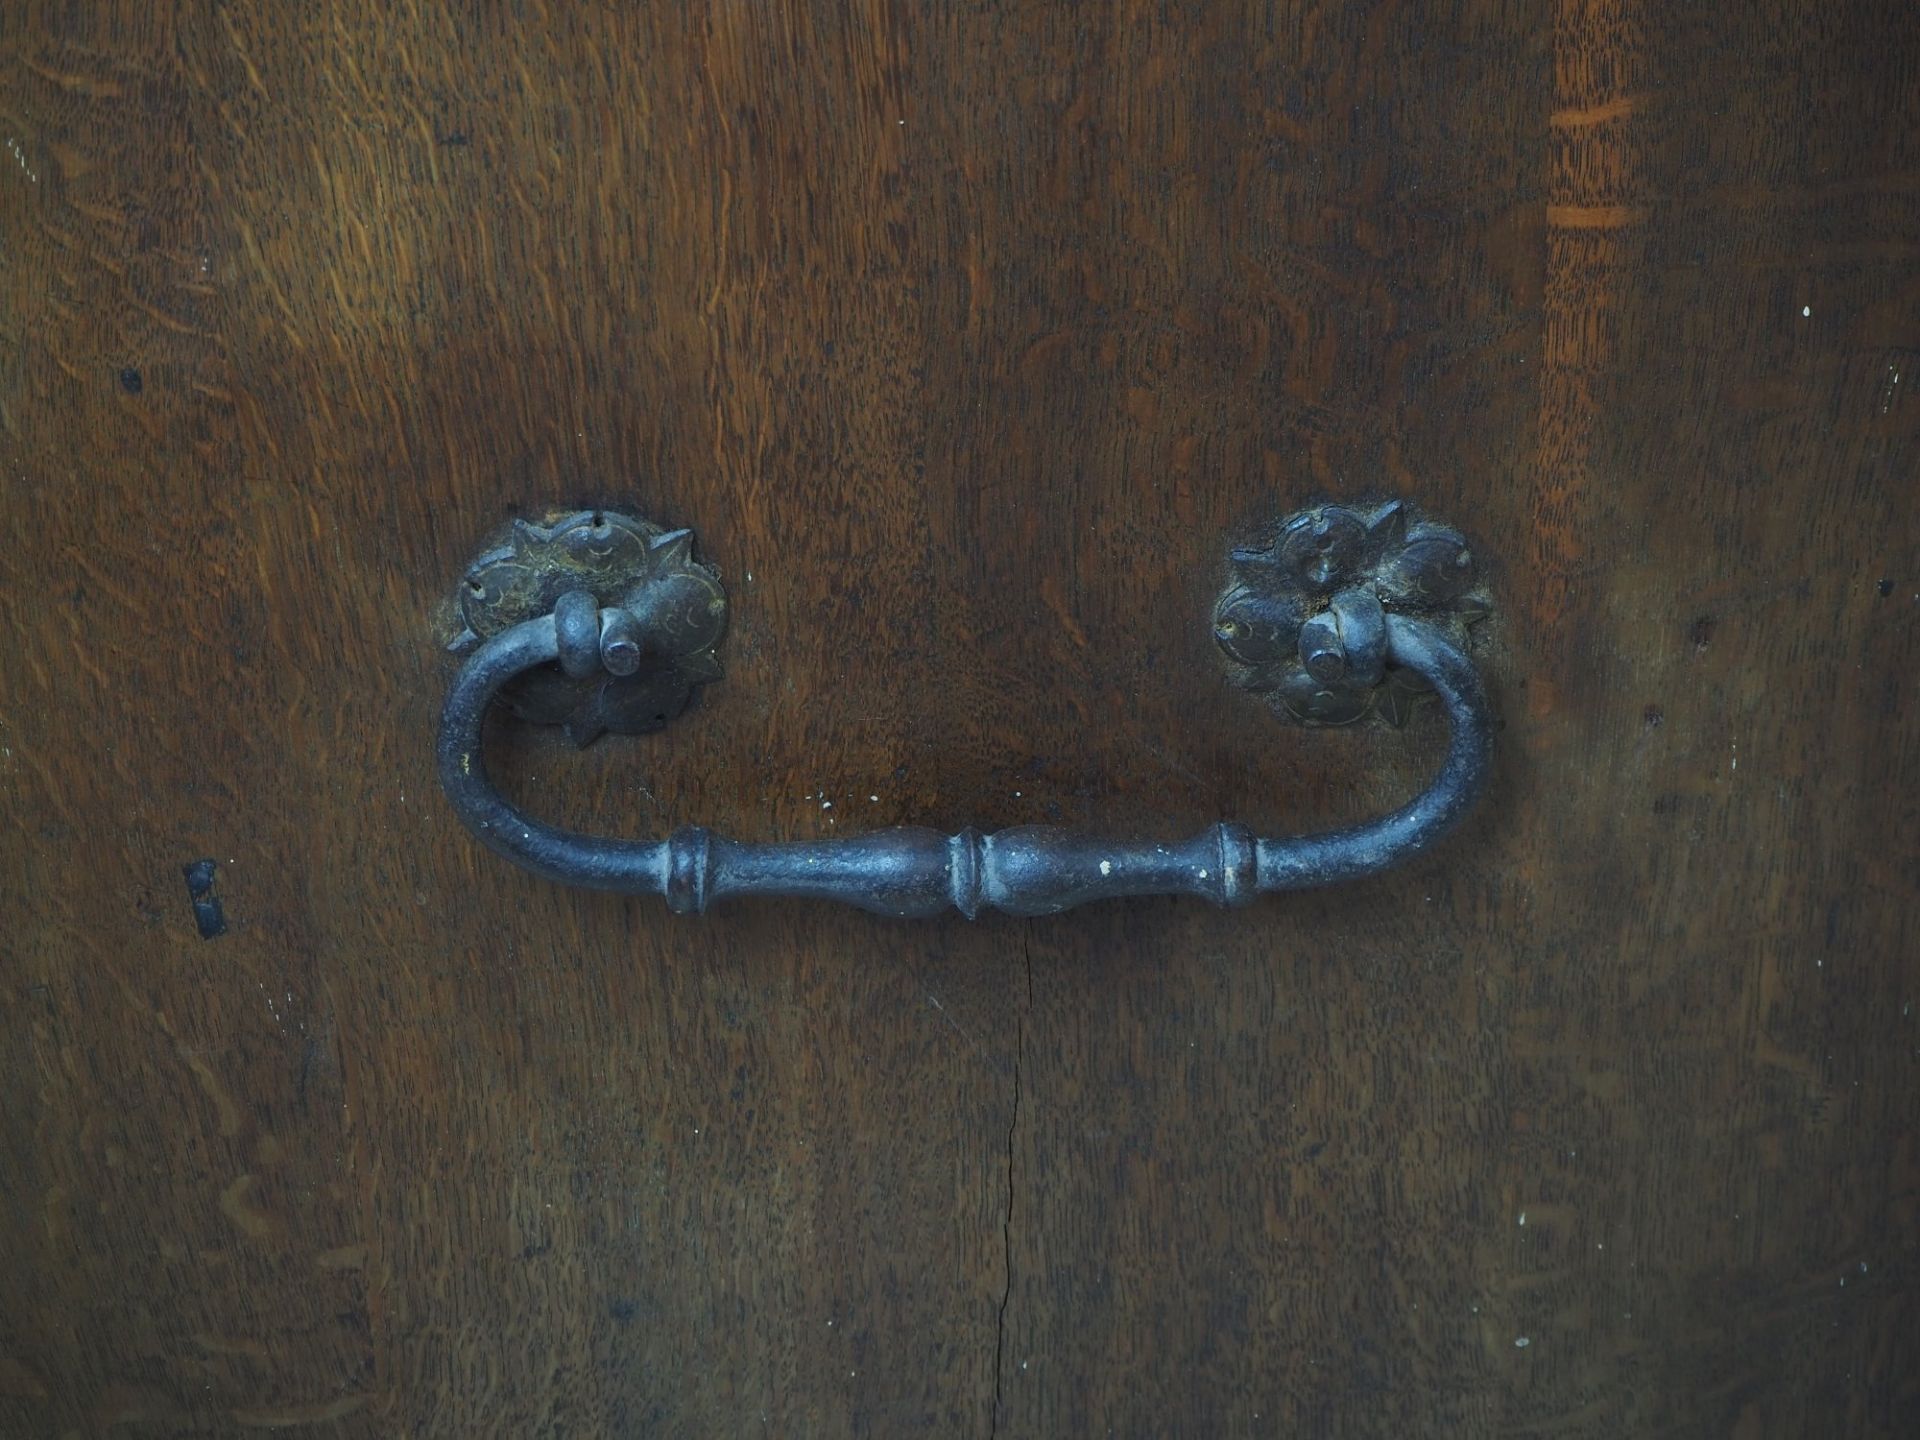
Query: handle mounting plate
column 623, row 562
column 1291, row 618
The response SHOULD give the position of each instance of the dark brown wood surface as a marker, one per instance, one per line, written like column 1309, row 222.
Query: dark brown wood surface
column 968, row 336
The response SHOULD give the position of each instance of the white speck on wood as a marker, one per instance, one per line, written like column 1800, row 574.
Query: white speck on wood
column 20, row 155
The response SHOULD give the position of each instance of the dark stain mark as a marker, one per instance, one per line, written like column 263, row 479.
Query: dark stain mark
column 1312, row 1152
column 534, row 1252
column 130, row 381
column 1653, row 716
column 455, row 137
column 207, row 913
column 1886, row 588
column 623, row 1311
column 1833, row 922
column 1701, row 632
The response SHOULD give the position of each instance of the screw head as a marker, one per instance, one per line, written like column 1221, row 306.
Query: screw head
column 1321, row 650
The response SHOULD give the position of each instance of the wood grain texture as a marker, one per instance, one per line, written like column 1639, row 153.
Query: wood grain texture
column 968, row 336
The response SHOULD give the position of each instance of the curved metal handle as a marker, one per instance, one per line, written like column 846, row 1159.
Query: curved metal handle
column 1029, row 870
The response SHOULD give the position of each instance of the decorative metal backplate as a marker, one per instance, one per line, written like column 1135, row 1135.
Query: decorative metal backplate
column 1281, row 594
column 622, row 561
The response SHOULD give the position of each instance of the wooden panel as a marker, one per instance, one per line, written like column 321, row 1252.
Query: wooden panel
column 968, row 336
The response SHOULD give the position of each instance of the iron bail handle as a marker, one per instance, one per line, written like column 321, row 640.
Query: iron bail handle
column 1028, row 870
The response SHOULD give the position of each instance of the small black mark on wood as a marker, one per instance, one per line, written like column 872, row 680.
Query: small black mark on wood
column 1312, row 1152
column 1701, row 632
column 1833, row 922
column 1886, row 588
column 131, row 382
column 623, row 1311
column 534, row 1252
column 207, row 911
column 1653, row 716
column 455, row 137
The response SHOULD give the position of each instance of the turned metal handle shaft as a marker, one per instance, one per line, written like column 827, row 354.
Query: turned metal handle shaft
column 909, row 871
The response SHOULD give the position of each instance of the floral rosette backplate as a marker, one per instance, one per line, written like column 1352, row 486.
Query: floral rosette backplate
column 1411, row 567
